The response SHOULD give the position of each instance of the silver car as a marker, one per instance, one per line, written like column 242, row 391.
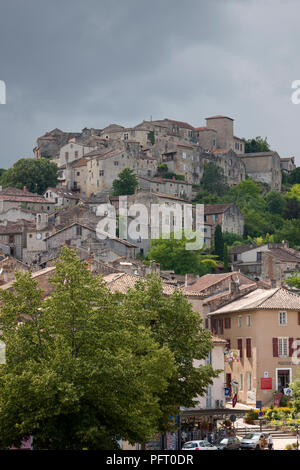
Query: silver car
column 252, row 440
column 198, row 445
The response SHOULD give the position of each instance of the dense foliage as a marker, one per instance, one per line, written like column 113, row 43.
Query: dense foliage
column 85, row 368
column 125, row 184
column 37, row 174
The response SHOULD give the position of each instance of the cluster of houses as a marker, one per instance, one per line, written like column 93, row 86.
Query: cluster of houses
column 252, row 313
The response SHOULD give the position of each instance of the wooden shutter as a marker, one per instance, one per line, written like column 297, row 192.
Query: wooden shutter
column 214, row 325
column 227, row 323
column 275, row 347
column 248, row 347
column 291, row 340
column 298, row 318
column 221, row 326
column 240, row 347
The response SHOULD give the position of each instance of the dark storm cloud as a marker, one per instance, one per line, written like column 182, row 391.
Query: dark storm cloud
column 71, row 64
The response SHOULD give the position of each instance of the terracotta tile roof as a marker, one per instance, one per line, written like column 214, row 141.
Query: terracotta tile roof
column 216, row 208
column 205, row 128
column 278, row 298
column 288, row 159
column 20, row 195
column 81, row 162
column 209, row 280
column 242, row 248
column 283, row 255
column 121, row 282
column 63, row 193
column 180, row 124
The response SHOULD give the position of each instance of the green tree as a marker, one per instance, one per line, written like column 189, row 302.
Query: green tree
column 172, row 254
column 213, row 179
column 37, row 174
column 80, row 371
column 294, row 192
column 294, row 176
column 174, row 324
column 257, row 145
column 2, row 171
column 219, row 243
column 275, row 202
column 226, row 258
column 294, row 280
column 125, row 184
column 151, row 137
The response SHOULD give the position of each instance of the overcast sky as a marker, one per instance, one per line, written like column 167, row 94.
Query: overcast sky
column 89, row 63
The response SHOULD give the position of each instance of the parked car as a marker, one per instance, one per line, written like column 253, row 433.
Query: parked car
column 198, row 445
column 229, row 443
column 252, row 440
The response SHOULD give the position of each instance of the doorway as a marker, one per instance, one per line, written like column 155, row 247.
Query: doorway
column 283, row 379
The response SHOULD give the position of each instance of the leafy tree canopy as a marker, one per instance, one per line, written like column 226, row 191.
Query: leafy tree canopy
column 257, row 145
column 213, row 180
column 125, row 184
column 80, row 371
column 172, row 254
column 37, row 174
column 294, row 176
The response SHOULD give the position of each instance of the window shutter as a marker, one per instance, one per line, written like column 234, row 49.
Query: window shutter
column 298, row 318
column 227, row 323
column 222, row 326
column 275, row 347
column 248, row 347
column 291, row 340
column 240, row 347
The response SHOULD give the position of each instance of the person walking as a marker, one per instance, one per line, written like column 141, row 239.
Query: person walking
column 270, row 442
column 262, row 442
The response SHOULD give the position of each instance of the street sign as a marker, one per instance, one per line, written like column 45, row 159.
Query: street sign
column 232, row 418
column 258, row 404
column 227, row 391
column 260, row 414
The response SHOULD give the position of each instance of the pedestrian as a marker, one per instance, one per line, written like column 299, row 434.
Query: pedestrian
column 262, row 442
column 270, row 442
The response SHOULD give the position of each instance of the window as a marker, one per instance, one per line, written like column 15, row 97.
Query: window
column 66, row 155
column 239, row 321
column 116, row 163
column 248, row 347
column 235, row 257
column 101, row 172
column 241, row 382
column 214, row 217
column 227, row 323
column 249, row 381
column 282, row 318
column 214, row 142
column 258, row 256
column 248, row 320
column 240, row 347
column 283, row 347
column 184, row 167
column 78, row 173
column 183, row 155
column 78, row 230
column 76, row 153
column 126, row 136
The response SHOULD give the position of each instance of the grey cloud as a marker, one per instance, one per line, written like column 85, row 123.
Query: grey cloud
column 71, row 64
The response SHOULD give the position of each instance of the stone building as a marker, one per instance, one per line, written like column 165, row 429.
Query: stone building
column 172, row 186
column 264, row 167
column 225, row 138
column 287, row 164
column 227, row 216
column 13, row 198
